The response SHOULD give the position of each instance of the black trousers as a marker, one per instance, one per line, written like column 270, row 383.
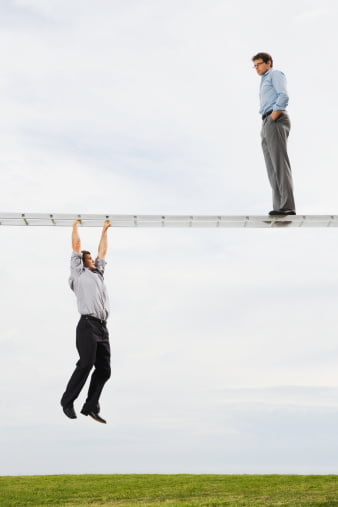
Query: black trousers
column 92, row 343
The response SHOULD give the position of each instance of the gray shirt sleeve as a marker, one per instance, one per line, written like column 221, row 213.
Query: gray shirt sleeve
column 100, row 265
column 76, row 268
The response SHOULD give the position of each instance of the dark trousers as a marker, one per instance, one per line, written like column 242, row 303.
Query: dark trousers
column 92, row 343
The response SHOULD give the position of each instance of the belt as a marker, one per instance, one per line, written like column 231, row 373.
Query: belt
column 266, row 114
column 90, row 317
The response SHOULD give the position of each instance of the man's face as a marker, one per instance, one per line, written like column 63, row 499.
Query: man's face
column 89, row 261
column 261, row 67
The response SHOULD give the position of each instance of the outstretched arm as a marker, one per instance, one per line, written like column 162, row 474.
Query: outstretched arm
column 76, row 243
column 103, row 245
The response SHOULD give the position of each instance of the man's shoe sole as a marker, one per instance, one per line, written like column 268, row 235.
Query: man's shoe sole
column 281, row 213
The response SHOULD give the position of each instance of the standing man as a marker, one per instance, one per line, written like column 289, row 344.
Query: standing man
column 275, row 132
column 92, row 338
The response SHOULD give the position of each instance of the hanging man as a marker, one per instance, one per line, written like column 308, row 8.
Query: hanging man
column 92, row 338
column 275, row 131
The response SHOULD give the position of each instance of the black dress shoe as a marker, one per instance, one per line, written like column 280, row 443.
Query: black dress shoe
column 282, row 212
column 94, row 416
column 70, row 412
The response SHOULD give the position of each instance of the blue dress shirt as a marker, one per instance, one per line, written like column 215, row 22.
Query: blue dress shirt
column 273, row 93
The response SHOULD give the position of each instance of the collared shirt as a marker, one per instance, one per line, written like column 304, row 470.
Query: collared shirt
column 89, row 287
column 273, row 93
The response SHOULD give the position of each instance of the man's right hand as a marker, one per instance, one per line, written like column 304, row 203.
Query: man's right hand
column 275, row 115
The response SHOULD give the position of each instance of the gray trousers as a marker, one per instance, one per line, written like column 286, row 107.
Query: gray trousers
column 274, row 136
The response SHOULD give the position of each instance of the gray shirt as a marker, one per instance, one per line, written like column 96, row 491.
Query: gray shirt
column 89, row 287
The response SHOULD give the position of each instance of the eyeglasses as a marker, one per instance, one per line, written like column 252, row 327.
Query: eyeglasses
column 257, row 65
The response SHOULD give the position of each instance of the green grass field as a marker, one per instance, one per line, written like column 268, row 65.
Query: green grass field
column 170, row 490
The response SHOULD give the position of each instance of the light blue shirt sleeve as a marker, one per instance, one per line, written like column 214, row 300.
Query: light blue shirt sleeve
column 279, row 83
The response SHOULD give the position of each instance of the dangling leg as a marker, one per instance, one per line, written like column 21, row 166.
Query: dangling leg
column 86, row 346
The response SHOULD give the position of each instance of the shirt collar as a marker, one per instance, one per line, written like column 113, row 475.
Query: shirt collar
column 266, row 73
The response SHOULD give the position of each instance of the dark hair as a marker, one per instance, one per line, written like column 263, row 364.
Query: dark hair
column 263, row 56
column 84, row 252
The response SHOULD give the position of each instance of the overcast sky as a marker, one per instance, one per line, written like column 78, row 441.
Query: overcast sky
column 224, row 342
